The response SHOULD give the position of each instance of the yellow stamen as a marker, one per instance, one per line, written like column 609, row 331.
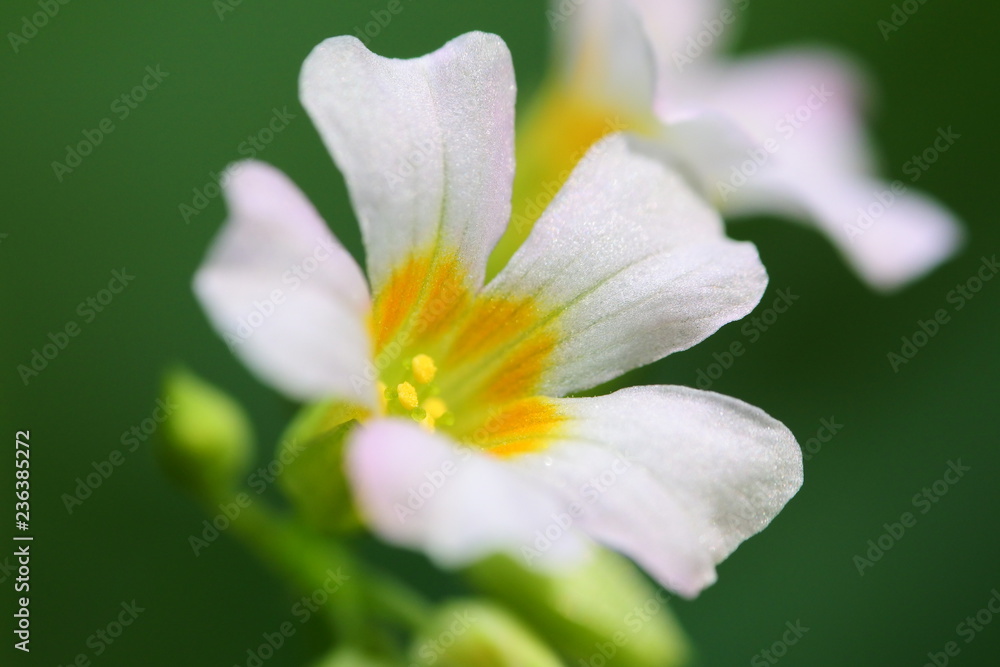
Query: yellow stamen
column 435, row 407
column 424, row 368
column 407, row 395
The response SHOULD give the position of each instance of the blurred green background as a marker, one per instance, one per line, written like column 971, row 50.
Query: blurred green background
column 825, row 358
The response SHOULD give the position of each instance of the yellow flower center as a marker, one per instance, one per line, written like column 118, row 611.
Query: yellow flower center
column 418, row 399
column 460, row 363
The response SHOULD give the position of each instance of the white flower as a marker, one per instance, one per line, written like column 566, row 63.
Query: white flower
column 779, row 133
column 465, row 446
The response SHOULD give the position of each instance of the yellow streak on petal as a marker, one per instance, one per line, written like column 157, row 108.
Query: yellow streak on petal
column 504, row 341
column 523, row 427
column 420, row 298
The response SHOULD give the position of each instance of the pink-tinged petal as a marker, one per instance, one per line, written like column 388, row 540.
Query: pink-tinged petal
column 672, row 477
column 808, row 103
column 425, row 145
column 287, row 297
column 603, row 54
column 421, row 490
column 814, row 161
column 888, row 232
column 626, row 266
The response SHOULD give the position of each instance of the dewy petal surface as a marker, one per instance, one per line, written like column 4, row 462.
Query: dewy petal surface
column 626, row 266
column 288, row 298
column 425, row 145
column 424, row 491
column 673, row 477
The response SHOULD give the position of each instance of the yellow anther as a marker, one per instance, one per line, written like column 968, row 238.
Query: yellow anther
column 435, row 407
column 407, row 395
column 424, row 368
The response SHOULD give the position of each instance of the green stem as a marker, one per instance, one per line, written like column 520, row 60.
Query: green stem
column 307, row 562
column 311, row 563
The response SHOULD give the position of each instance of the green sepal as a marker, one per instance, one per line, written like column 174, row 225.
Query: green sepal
column 312, row 453
column 604, row 606
column 477, row 633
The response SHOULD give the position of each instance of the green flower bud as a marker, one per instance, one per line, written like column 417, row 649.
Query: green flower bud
column 207, row 441
column 604, row 608
column 474, row 633
column 311, row 453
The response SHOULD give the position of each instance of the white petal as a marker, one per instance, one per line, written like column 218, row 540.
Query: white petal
column 820, row 165
column 673, row 477
column 603, row 53
column 420, row 490
column 287, row 297
column 425, row 145
column 702, row 146
column 628, row 265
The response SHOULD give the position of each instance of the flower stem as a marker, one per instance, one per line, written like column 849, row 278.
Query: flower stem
column 348, row 593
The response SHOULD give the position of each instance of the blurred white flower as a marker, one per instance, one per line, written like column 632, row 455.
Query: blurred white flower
column 465, row 447
column 780, row 133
